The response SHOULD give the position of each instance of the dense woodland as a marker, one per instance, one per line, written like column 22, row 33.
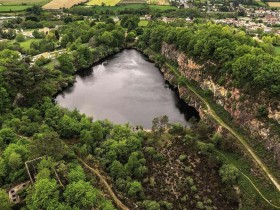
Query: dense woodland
column 250, row 65
column 171, row 167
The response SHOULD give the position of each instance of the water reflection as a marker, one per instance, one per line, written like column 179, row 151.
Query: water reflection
column 124, row 88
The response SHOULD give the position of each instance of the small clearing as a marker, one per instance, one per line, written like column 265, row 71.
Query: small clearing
column 273, row 4
column 24, row 2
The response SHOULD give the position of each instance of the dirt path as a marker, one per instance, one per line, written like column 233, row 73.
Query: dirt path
column 240, row 138
column 106, row 185
column 252, row 183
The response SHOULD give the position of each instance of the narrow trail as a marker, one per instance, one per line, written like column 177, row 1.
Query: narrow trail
column 212, row 113
column 262, row 165
column 252, row 183
column 106, row 185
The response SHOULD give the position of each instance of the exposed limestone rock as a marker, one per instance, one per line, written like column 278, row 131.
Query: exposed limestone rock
column 243, row 108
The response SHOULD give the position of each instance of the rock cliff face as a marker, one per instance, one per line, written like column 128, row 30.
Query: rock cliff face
column 242, row 107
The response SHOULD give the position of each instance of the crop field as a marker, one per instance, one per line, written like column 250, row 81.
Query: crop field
column 106, row 2
column 13, row 8
column 273, row 4
column 58, row 4
column 24, row 2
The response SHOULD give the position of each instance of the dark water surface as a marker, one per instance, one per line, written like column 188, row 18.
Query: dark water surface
column 124, row 89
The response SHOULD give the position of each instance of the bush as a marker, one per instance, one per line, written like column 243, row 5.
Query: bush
column 42, row 61
column 199, row 205
column 151, row 205
column 229, row 174
column 262, row 112
column 20, row 38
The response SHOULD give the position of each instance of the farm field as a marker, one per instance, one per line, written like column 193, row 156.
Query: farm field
column 13, row 8
column 273, row 4
column 24, row 2
column 58, row 4
column 106, row 2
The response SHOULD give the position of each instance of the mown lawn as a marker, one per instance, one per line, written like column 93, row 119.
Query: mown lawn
column 13, row 8
column 106, row 2
column 26, row 44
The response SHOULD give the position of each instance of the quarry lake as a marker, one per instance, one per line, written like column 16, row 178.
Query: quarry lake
column 125, row 88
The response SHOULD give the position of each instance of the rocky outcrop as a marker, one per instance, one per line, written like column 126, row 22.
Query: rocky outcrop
column 244, row 109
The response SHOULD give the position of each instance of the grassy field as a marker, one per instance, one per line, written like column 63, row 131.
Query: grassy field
column 277, row 50
column 24, row 2
column 26, row 44
column 58, row 4
column 106, row 2
column 13, row 8
column 143, row 23
column 273, row 4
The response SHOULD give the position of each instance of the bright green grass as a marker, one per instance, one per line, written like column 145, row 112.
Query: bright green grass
column 106, row 2
column 277, row 50
column 23, row 2
column 52, row 64
column 143, row 23
column 26, row 44
column 13, row 8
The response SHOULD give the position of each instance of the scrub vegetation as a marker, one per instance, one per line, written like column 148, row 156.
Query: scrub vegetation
column 76, row 162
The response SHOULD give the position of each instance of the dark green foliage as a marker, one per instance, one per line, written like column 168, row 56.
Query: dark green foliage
column 48, row 144
column 130, row 22
column 66, row 64
column 249, row 63
column 229, row 174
